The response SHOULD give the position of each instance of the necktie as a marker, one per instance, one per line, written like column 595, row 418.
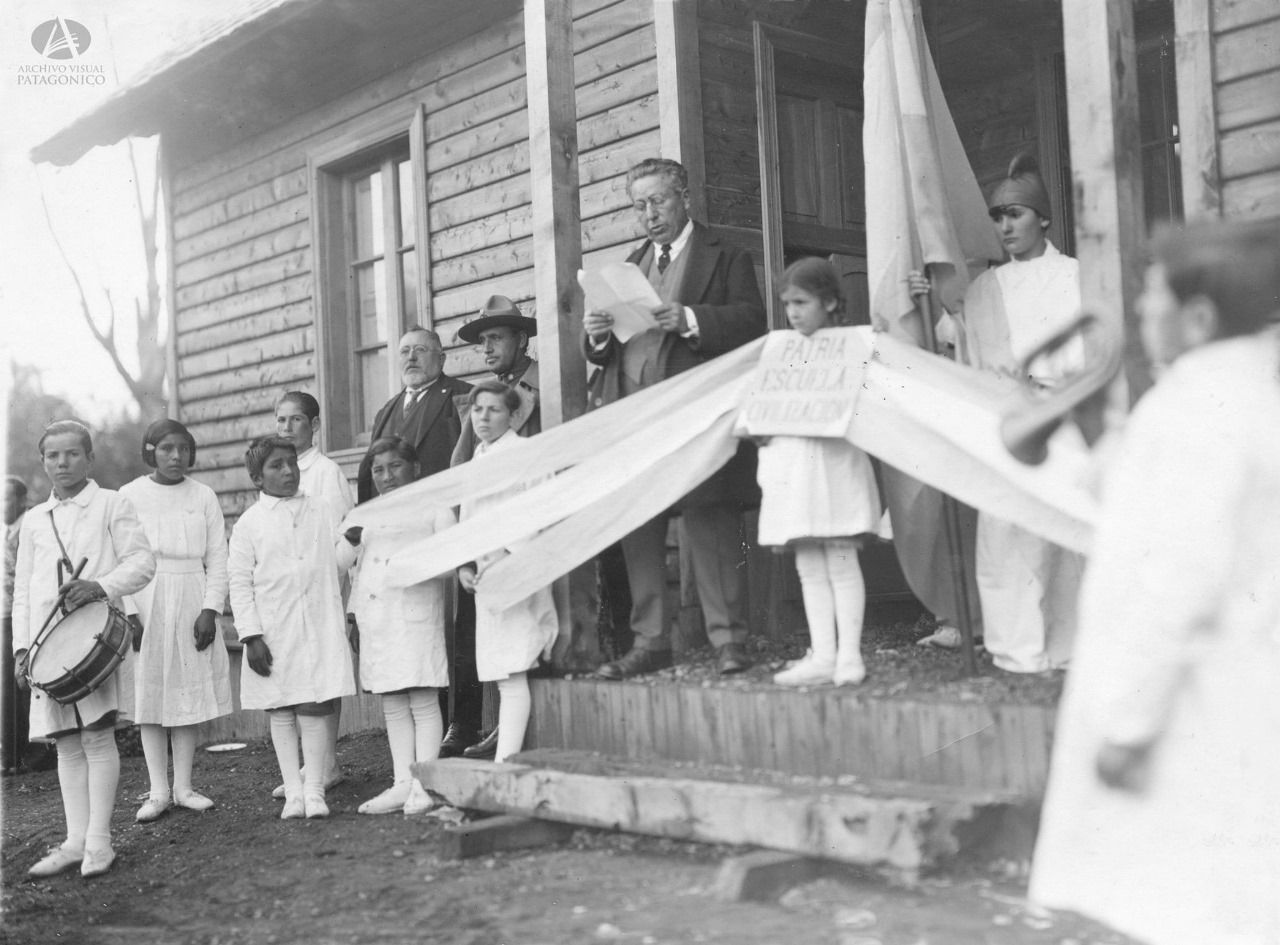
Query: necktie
column 664, row 260
column 411, row 398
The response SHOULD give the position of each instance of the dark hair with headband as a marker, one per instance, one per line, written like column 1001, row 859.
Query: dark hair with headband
column 59, row 427
column 157, row 432
column 393, row 444
column 1024, row 187
column 310, row 406
column 255, row 457
column 818, row 278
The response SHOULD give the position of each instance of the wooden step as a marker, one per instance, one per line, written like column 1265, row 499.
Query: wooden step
column 824, row 731
column 903, row 827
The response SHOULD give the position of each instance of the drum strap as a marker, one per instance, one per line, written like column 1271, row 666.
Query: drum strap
column 65, row 563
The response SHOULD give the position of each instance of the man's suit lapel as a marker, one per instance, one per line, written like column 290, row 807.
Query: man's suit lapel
column 699, row 267
column 427, row 410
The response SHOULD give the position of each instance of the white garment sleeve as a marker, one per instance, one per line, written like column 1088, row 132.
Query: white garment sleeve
column 135, row 564
column 241, row 562
column 22, row 629
column 215, row 555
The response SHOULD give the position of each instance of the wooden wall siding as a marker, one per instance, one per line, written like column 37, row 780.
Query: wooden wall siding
column 823, row 732
column 1247, row 99
column 243, row 255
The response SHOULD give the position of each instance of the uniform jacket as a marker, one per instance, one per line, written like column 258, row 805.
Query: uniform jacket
column 527, row 421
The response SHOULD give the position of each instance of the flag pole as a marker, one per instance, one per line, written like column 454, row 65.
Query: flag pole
column 950, row 509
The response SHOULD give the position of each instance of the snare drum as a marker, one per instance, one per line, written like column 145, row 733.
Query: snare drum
column 74, row 657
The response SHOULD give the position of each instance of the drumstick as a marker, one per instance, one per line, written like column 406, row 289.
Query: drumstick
column 61, row 593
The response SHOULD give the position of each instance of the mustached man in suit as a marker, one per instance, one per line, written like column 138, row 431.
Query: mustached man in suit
column 711, row 305
column 428, row 415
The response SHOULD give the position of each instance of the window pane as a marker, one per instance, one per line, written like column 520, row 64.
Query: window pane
column 373, row 385
column 366, row 195
column 405, row 235
column 409, row 279
column 371, row 302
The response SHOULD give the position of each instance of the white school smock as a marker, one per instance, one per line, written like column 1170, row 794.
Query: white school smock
column 174, row 683
column 402, row 629
column 100, row 525
column 322, row 478
column 510, row 641
column 283, row 574
column 1179, row 642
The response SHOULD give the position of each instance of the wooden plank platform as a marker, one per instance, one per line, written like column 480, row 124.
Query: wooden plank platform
column 895, row 826
column 816, row 732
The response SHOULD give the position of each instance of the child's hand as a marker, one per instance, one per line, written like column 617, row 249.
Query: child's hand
column 353, row 634
column 205, row 629
column 135, row 623
column 77, row 592
column 20, row 670
column 917, row 284
column 1124, row 767
column 352, row 535
column 467, row 577
column 259, row 655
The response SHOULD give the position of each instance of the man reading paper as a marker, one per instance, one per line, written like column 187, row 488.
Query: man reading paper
column 710, row 305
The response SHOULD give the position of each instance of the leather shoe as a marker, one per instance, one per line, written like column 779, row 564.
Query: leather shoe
column 97, row 862
column 636, row 663
column 483, row 749
column 457, row 739
column 731, row 658
column 56, row 861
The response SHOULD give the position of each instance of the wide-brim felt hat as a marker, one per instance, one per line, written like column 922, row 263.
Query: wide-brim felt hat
column 498, row 312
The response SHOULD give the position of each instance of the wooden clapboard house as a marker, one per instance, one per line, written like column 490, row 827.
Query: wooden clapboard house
column 335, row 171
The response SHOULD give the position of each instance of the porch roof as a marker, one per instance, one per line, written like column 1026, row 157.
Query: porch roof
column 272, row 58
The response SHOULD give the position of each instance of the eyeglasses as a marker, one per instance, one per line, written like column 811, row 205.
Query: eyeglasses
column 420, row 350
column 655, row 202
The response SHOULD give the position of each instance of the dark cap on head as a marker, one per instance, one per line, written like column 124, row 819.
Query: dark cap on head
column 498, row 312
column 1024, row 186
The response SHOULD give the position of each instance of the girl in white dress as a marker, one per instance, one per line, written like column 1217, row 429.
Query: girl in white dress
column 819, row 496
column 401, row 629
column 507, row 643
column 182, row 673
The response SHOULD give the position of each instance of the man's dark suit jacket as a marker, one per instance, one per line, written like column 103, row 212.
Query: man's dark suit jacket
column 434, row 426
column 720, row 286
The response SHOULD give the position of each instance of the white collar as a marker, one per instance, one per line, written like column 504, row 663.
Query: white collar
column 81, row 498
column 271, row 501
column 682, row 240
column 308, row 456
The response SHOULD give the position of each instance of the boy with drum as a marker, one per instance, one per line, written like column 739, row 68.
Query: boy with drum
column 82, row 546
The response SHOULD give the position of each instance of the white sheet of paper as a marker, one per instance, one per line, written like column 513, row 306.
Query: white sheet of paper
column 622, row 290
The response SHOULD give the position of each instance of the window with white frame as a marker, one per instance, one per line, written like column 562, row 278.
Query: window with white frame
column 369, row 285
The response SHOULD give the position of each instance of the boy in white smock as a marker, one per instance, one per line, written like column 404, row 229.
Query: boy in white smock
column 283, row 573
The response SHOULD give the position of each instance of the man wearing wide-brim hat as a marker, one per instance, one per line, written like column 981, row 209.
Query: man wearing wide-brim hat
column 502, row 332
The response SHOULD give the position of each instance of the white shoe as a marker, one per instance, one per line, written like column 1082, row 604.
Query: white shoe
column 56, row 861
column 315, row 806
column 945, row 637
column 418, row 801
column 807, row 671
column 294, row 809
column 390, row 801
column 192, row 800
column 849, row 674
column 153, row 808
column 97, row 862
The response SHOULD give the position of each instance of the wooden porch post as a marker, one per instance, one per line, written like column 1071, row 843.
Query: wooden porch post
column 1197, row 112
column 557, row 256
column 1102, row 121
column 675, row 27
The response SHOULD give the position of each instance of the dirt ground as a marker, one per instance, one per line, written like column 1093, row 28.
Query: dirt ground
column 238, row 874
